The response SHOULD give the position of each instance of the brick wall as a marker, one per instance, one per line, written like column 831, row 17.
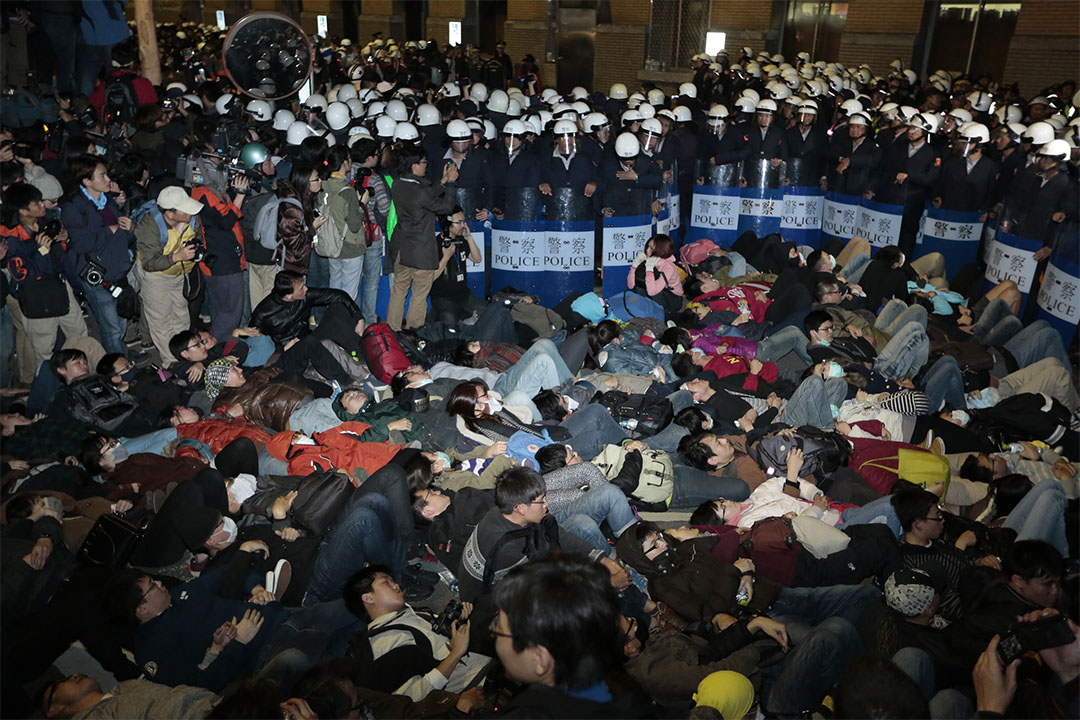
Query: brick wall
column 876, row 33
column 728, row 15
column 619, row 54
column 529, row 36
column 526, row 10
column 1045, row 48
column 630, row 12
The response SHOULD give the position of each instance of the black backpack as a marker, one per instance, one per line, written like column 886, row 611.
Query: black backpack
column 121, row 101
column 1027, row 416
column 823, row 452
column 96, row 402
column 388, row 677
column 640, row 415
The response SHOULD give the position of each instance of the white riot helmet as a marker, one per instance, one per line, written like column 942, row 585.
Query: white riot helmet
column 889, row 110
column 261, row 110
column 767, row 105
column 961, row 116
column 630, row 117
column 316, row 101
column 980, row 101
column 808, row 108
column 635, row 100
column 971, row 136
column 397, row 110
column 545, row 118
column 581, row 108
column 1058, row 120
column 376, row 109
column 594, row 121
column 617, row 92
column 683, row 114
column 746, row 104
column 533, row 124
column 851, row 106
column 283, row 119
column 907, row 112
column 490, row 131
column 910, row 76
column 513, row 107
column 177, row 86
column 1008, row 114
column 627, row 146
column 406, row 132
column 338, row 116
column 548, row 95
column 514, row 127
column 688, row 89
column 647, row 111
column 1039, row 133
column 346, row 92
column 751, row 93
column 1057, row 149
column 298, row 132
column 859, row 118
column 498, row 101
column 356, row 108
column 579, row 93
column 458, row 130
column 428, row 115
column 194, row 101
column 717, row 115
column 780, row 91
column 564, row 127
column 657, row 97
column 223, row 102
column 450, row 90
column 652, row 126
column 478, row 93
column 384, row 127
column 928, row 123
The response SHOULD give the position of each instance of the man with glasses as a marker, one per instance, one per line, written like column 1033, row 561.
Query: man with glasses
column 921, row 546
column 824, row 344
column 451, row 299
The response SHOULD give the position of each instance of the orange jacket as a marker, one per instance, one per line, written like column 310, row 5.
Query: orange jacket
column 338, row 447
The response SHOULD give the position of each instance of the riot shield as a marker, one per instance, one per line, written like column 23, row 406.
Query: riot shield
column 726, row 175
column 760, row 174
column 470, row 200
column 797, row 172
column 521, row 203
column 567, row 203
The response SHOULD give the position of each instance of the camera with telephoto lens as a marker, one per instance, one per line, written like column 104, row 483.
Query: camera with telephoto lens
column 444, row 623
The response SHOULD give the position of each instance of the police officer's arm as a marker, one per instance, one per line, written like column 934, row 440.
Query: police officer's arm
column 652, row 176
column 926, row 174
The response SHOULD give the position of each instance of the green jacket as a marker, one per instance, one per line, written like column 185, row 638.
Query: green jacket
column 378, row 416
column 347, row 215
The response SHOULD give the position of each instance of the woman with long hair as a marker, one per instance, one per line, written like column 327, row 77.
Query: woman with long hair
column 297, row 223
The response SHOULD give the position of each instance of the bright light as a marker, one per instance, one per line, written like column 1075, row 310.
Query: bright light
column 221, row 19
column 715, row 42
column 321, row 24
column 455, row 33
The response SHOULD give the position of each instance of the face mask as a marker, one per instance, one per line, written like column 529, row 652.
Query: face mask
column 832, row 260
column 571, row 403
column 697, row 351
column 421, row 383
column 979, row 399
column 445, row 460
column 118, row 453
column 835, row 370
column 129, row 375
column 53, row 504
column 493, row 406
column 243, row 486
column 823, row 342
column 961, row 417
column 229, row 526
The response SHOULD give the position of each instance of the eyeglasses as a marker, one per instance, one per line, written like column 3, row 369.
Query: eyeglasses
column 825, row 328
column 198, row 343
column 128, row 366
column 148, row 589
column 939, row 518
column 496, row 633
column 542, row 500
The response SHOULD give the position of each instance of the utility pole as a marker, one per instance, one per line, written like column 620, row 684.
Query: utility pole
column 148, row 50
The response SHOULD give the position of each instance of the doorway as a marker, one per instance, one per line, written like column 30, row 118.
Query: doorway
column 576, row 44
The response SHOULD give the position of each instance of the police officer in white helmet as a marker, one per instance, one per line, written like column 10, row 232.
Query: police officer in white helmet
column 968, row 177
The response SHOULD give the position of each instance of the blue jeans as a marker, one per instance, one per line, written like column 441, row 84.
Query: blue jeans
column 789, row 339
column 364, row 534
column 7, row 345
column 540, row 367
column 92, row 58
column 897, row 313
column 738, row 265
column 62, row 29
column 1037, row 341
column 319, row 630
column 854, row 270
column 373, row 262
column 592, row 427
column 103, row 306
column 225, row 295
column 905, row 354
column 1040, row 515
column 260, row 348
column 944, row 705
column 811, row 606
column 811, row 401
column 43, row 387
column 879, row 512
column 693, row 487
column 816, row 661
column 345, row 274
column 584, row 516
column 995, row 312
column 153, row 442
column 944, row 385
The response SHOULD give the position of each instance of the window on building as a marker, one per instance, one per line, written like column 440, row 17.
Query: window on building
column 814, row 26
column 972, row 37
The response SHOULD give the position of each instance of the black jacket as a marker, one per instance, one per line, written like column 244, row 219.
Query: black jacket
column 858, row 176
column 283, row 320
column 733, row 147
column 922, row 171
column 811, row 150
column 961, row 190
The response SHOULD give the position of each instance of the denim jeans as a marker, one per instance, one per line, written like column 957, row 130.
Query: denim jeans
column 948, row 704
column 810, row 403
column 225, row 296
column 996, row 311
column 540, row 367
column 693, row 487
column 815, row 663
column 42, row 388
column 112, row 326
column 776, row 346
column 854, row 270
column 1037, row 341
column 738, row 265
column 875, row 512
column 1040, row 515
column 944, row 385
column 364, row 534
column 62, row 29
column 591, row 428
column 7, row 345
column 260, row 348
column 318, row 276
column 345, row 274
column 811, row 606
column 1002, row 331
column 373, row 262
column 91, row 59
column 154, row 442
column 905, row 353
column 896, row 314
column 584, row 516
column 320, row 630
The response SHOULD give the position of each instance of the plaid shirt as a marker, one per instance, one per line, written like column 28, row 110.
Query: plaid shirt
column 498, row 357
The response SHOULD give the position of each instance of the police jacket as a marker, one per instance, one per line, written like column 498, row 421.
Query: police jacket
column 764, row 146
column 858, row 176
column 922, row 170
column 1011, row 169
column 810, row 150
column 588, row 145
column 89, row 236
column 557, row 172
column 731, row 147
column 418, row 201
column 282, row 319
column 962, row 190
column 1034, row 204
column 522, row 172
column 629, row 197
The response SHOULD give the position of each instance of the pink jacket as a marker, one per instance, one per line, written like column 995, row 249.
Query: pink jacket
column 665, row 277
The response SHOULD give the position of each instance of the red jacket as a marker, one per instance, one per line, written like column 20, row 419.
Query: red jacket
column 144, row 91
column 338, row 447
column 725, row 365
column 219, row 432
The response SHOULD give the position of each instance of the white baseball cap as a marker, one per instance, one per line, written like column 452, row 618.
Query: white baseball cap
column 174, row 198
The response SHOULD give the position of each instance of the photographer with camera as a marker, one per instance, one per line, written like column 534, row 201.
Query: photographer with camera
column 222, row 191
column 35, row 263
column 451, row 299
column 403, row 642
column 167, row 240
column 100, row 239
